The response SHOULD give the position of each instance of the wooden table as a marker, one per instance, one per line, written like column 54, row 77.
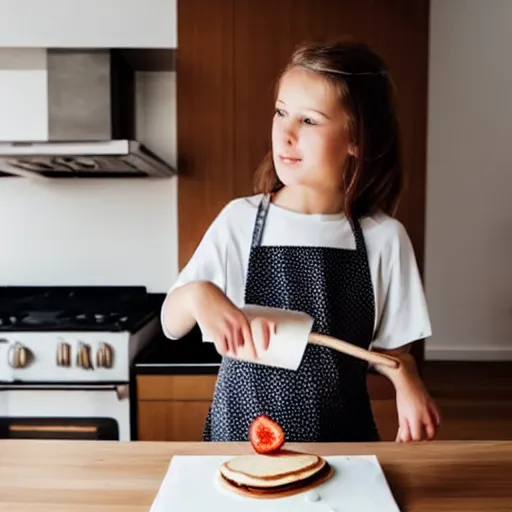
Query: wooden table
column 91, row 476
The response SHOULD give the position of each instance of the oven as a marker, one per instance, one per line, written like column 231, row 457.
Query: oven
column 81, row 412
column 66, row 356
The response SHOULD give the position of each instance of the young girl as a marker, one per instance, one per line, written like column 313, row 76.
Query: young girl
column 318, row 237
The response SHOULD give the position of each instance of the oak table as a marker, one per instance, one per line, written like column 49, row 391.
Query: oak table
column 104, row 476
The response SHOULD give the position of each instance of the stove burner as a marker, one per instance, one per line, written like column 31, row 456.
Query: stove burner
column 85, row 308
column 39, row 317
column 100, row 318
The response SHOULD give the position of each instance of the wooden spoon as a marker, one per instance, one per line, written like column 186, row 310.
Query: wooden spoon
column 353, row 350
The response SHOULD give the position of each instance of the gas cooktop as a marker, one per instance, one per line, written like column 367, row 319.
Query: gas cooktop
column 82, row 308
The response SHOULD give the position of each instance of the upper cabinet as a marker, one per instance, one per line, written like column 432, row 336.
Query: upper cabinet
column 88, row 23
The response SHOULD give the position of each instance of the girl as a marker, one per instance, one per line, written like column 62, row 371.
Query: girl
column 319, row 237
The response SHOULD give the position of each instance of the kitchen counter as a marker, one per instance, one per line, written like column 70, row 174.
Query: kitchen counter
column 187, row 355
column 92, row 476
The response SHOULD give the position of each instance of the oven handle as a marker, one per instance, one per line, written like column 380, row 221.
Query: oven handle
column 120, row 389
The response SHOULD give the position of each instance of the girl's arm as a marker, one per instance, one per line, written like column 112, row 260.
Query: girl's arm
column 177, row 316
column 418, row 415
column 199, row 294
column 205, row 303
column 403, row 318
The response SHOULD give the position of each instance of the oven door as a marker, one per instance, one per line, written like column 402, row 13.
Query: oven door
column 95, row 412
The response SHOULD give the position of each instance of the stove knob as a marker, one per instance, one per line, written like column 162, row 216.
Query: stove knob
column 64, row 354
column 83, row 358
column 19, row 356
column 100, row 357
column 105, row 356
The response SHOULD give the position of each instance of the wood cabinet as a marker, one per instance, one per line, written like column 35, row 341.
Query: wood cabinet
column 88, row 23
column 230, row 53
column 173, row 407
column 475, row 400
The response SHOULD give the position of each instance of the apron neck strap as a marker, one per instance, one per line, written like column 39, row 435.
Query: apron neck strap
column 359, row 237
column 259, row 224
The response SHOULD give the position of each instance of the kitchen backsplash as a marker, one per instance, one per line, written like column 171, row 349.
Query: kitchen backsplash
column 98, row 232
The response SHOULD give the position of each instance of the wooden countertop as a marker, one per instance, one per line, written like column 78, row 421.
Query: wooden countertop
column 90, row 476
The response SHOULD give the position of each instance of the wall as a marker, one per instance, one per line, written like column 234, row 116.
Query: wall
column 88, row 23
column 469, row 210
column 98, row 232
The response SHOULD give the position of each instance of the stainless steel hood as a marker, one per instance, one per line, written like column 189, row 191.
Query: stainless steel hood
column 90, row 123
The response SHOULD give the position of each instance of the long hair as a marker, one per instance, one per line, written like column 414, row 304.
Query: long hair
column 373, row 179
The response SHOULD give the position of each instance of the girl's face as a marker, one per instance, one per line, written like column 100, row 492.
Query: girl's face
column 309, row 132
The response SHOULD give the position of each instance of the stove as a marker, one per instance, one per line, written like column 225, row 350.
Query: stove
column 75, row 309
column 74, row 334
column 67, row 352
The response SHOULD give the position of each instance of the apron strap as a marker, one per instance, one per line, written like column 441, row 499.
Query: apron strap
column 359, row 238
column 259, row 224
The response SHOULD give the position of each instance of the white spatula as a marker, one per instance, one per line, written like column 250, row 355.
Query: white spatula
column 293, row 333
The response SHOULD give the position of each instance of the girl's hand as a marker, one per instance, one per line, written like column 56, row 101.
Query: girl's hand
column 229, row 327
column 418, row 415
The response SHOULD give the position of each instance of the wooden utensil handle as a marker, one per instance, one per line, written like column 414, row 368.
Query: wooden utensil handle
column 352, row 350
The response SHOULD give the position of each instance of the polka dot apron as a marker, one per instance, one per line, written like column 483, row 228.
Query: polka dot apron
column 326, row 399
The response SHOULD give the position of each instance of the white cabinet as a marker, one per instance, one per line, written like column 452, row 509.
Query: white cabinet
column 88, row 23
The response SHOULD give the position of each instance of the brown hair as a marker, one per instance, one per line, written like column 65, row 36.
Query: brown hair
column 372, row 180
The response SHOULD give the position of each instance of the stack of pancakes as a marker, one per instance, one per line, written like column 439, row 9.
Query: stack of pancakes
column 279, row 474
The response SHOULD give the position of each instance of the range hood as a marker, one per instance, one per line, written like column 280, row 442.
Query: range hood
column 90, row 116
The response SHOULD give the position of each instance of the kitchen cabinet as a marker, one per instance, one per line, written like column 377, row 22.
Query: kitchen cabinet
column 88, row 23
column 173, row 407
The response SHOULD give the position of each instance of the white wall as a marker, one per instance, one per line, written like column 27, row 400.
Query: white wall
column 88, row 23
column 469, row 205
column 98, row 232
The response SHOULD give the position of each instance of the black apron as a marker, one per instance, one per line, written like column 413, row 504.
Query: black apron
column 326, row 399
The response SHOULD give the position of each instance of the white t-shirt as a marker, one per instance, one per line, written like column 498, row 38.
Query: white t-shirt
column 222, row 257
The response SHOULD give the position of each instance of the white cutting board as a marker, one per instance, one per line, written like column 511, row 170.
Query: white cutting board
column 191, row 485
